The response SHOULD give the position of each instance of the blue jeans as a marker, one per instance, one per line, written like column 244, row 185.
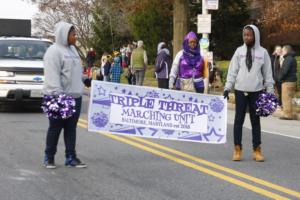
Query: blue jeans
column 69, row 125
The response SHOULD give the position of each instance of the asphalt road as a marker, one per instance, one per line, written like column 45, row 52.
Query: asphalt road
column 124, row 168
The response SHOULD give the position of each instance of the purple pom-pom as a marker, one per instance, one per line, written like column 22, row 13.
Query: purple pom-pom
column 58, row 107
column 266, row 104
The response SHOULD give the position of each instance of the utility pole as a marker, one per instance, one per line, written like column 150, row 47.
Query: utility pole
column 205, row 35
column 180, row 24
column 204, row 20
column 204, row 12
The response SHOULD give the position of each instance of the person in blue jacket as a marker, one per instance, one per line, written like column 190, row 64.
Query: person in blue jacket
column 116, row 69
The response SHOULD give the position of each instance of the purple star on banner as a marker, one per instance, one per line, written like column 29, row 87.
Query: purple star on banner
column 101, row 91
column 211, row 118
column 212, row 132
column 191, row 99
column 169, row 97
column 129, row 93
column 116, row 88
column 152, row 94
column 124, row 91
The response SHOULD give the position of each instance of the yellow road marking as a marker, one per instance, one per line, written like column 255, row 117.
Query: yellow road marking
column 216, row 166
column 219, row 167
column 193, row 166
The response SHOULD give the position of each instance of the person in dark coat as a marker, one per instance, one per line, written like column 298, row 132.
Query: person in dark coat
column 288, row 77
column 163, row 64
column 276, row 70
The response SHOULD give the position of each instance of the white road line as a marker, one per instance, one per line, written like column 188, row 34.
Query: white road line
column 276, row 133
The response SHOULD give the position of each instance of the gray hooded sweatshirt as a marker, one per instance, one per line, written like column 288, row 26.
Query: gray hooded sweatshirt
column 260, row 75
column 63, row 70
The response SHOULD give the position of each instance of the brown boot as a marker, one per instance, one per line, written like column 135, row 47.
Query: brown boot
column 257, row 155
column 237, row 154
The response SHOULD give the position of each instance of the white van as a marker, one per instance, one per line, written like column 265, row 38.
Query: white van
column 21, row 68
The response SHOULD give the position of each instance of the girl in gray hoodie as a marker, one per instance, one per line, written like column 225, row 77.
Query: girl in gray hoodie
column 249, row 73
column 63, row 74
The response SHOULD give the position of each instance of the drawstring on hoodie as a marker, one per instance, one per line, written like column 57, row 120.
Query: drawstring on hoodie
column 249, row 58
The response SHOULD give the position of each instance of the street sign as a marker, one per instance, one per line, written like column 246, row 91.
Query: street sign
column 204, row 23
column 204, row 43
column 211, row 4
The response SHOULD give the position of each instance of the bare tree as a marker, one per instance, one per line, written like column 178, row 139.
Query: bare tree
column 280, row 20
column 77, row 12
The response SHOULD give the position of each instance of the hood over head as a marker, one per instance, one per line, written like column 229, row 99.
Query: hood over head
column 61, row 32
column 256, row 34
column 190, row 35
column 160, row 46
column 192, row 56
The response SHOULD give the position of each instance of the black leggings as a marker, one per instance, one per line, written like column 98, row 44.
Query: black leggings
column 242, row 101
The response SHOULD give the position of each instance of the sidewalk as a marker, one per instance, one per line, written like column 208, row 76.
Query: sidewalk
column 270, row 124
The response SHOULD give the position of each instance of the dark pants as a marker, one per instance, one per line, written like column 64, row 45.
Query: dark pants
column 242, row 101
column 200, row 90
column 278, row 86
column 163, row 83
column 69, row 125
column 131, row 79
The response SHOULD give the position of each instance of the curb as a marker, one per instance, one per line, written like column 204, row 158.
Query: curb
column 231, row 106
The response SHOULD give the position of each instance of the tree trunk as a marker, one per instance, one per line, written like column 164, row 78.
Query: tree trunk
column 180, row 24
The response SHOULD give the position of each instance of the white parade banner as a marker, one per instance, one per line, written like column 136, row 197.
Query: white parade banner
column 157, row 113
